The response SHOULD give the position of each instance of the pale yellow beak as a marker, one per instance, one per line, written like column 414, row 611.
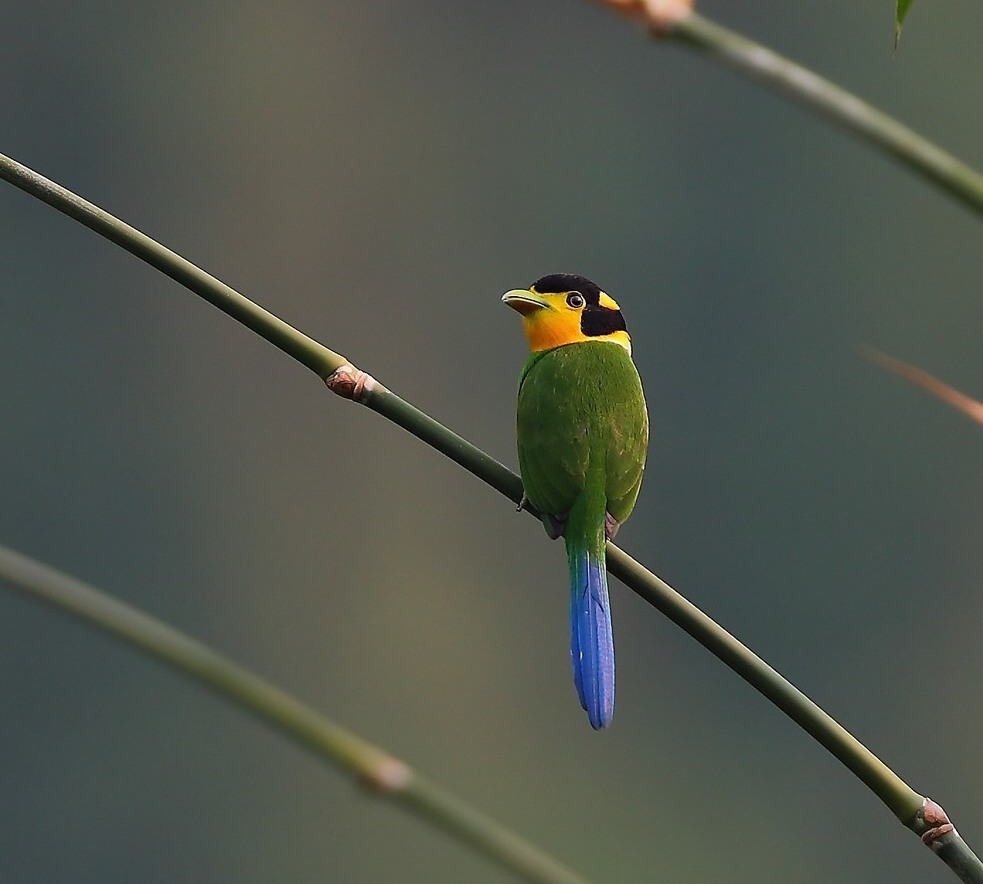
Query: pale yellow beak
column 524, row 301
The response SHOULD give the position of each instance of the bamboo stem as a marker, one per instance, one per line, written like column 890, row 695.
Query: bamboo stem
column 673, row 19
column 385, row 775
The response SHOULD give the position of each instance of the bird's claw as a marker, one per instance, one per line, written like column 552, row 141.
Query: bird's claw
column 554, row 525
column 611, row 525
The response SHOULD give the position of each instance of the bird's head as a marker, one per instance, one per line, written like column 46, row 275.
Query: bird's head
column 564, row 309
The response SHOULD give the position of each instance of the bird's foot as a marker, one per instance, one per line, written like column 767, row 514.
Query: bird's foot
column 611, row 525
column 554, row 525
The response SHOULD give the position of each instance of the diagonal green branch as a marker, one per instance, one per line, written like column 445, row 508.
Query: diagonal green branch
column 382, row 773
column 758, row 62
column 305, row 350
column 915, row 811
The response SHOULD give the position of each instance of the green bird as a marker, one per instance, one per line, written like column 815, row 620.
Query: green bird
column 582, row 434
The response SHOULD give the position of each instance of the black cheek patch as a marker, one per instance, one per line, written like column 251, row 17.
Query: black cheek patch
column 597, row 321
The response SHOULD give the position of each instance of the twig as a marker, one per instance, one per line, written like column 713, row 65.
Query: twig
column 383, row 774
column 949, row 395
column 674, row 19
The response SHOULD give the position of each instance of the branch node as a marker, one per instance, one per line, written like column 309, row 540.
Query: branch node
column 350, row 383
column 938, row 822
column 387, row 774
column 660, row 15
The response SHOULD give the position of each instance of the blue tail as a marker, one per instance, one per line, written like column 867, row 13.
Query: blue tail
column 591, row 642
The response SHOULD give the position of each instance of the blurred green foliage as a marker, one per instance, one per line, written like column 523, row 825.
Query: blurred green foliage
column 901, row 12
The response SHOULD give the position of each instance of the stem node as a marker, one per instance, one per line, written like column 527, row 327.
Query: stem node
column 661, row 16
column 351, row 383
column 387, row 775
column 934, row 816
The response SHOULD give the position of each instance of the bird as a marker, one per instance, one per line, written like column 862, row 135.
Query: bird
column 582, row 435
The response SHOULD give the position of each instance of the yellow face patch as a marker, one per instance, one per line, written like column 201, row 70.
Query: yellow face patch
column 554, row 319
column 553, row 325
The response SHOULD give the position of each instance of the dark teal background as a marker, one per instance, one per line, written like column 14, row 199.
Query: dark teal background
column 378, row 174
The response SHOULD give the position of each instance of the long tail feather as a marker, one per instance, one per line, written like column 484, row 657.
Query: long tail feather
column 591, row 641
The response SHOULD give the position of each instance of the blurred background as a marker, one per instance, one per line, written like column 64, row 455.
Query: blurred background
column 378, row 174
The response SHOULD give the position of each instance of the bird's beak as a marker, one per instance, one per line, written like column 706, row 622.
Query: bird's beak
column 524, row 301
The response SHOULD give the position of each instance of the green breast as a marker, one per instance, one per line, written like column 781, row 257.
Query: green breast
column 581, row 418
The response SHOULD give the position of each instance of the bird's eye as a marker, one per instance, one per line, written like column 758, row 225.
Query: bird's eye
column 575, row 300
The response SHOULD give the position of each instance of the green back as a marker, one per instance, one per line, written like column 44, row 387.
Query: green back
column 581, row 419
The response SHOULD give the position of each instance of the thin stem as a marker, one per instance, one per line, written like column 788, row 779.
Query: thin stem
column 922, row 815
column 903, row 801
column 436, row 435
column 305, row 350
column 804, row 86
column 837, row 104
column 355, row 384
column 972, row 408
column 384, row 774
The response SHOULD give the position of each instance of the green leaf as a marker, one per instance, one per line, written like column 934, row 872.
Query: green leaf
column 899, row 17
